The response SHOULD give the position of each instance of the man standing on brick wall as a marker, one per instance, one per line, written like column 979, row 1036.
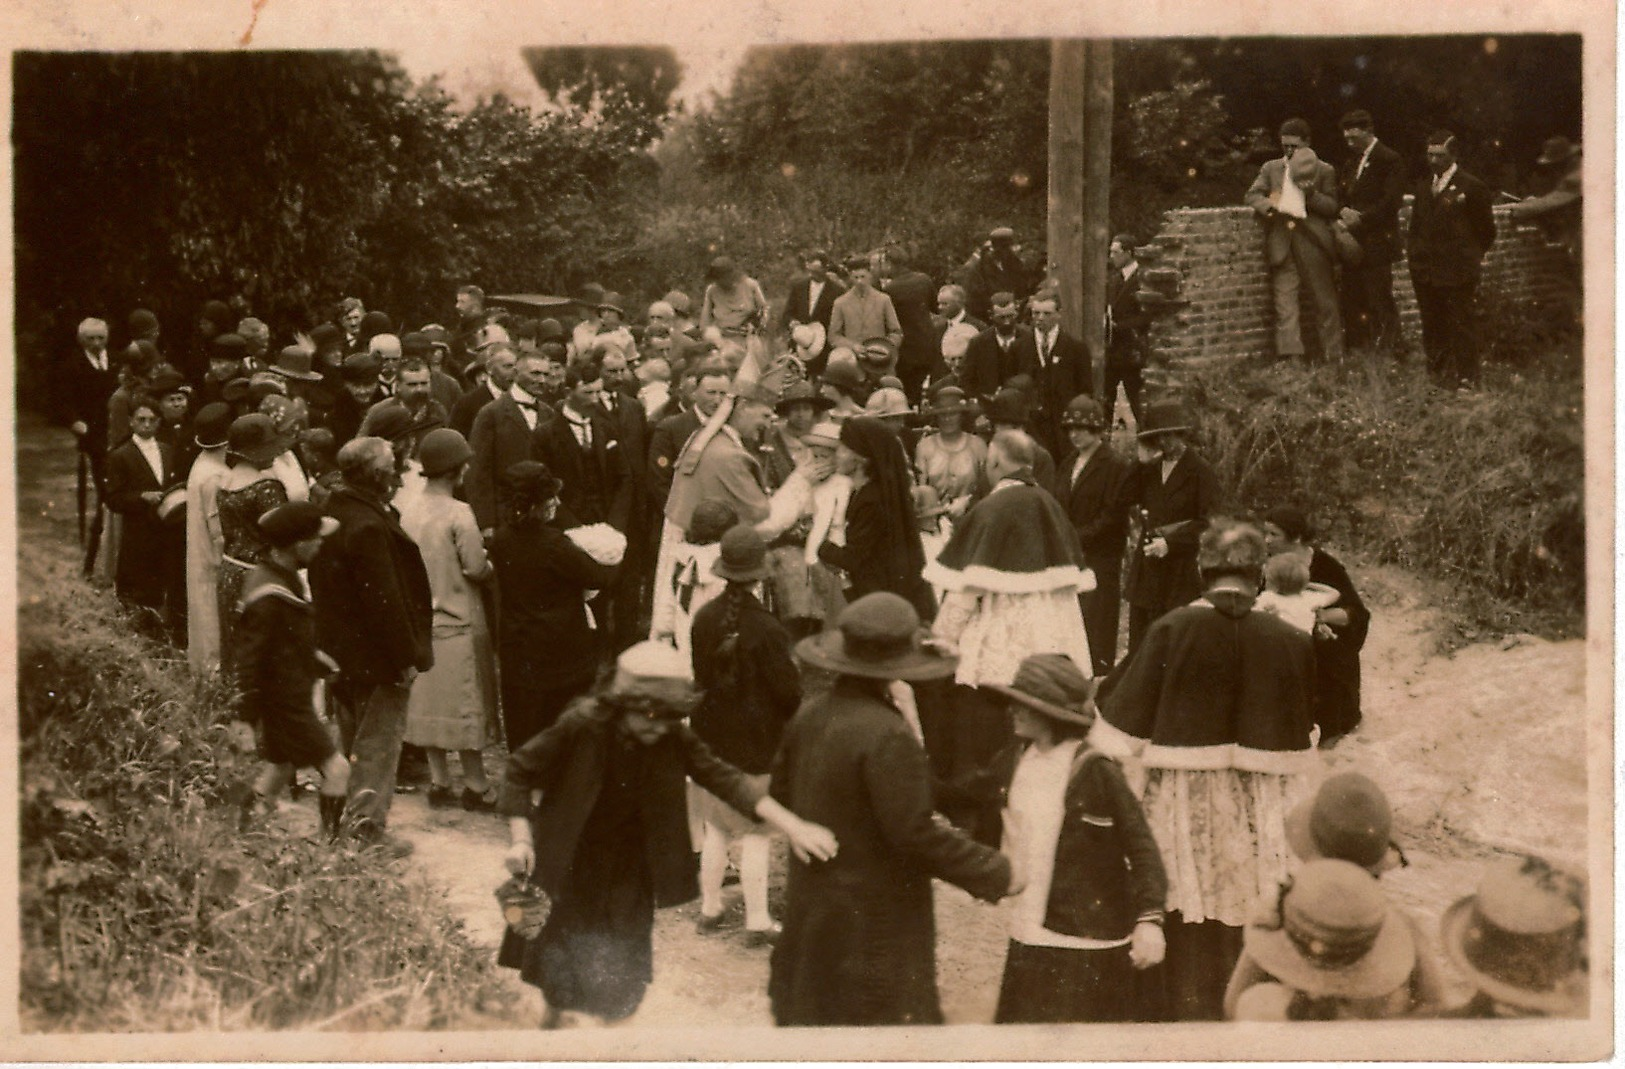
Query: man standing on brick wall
column 1126, row 323
column 1452, row 227
column 1373, row 187
column 1296, row 197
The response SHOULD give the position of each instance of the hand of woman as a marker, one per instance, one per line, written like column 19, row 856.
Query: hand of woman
column 1332, row 617
column 811, row 842
column 1147, row 946
column 520, row 859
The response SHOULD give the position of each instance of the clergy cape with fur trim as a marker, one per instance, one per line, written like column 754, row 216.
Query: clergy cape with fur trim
column 1214, row 685
column 1017, row 540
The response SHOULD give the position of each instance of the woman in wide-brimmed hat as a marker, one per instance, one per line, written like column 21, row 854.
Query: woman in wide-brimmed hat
column 1331, row 937
column 859, row 942
column 609, row 842
column 1091, row 913
column 253, row 485
column 749, row 689
column 952, row 461
column 1521, row 941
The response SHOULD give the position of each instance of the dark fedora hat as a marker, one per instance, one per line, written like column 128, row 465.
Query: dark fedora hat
column 743, row 556
column 1521, row 938
column 1164, row 417
column 1052, row 684
column 293, row 522
column 1348, row 818
column 877, row 637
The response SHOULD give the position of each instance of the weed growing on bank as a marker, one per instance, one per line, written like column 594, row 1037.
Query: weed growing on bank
column 1482, row 491
column 144, row 909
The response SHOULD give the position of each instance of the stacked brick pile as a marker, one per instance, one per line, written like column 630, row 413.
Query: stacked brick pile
column 1207, row 277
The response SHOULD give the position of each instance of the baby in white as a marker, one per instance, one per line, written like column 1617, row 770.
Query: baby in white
column 1289, row 594
column 830, row 497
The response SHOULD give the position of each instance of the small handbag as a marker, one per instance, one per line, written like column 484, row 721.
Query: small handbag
column 525, row 906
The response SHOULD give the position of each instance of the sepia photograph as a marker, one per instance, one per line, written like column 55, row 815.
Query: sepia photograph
column 702, row 541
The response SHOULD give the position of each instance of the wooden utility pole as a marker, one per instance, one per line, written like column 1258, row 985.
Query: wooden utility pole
column 1080, row 156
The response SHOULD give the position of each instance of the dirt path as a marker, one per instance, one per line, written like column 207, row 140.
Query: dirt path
column 1480, row 752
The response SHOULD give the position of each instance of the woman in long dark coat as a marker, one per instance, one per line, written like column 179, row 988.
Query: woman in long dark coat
column 882, row 550
column 609, row 840
column 859, row 942
column 1337, row 659
column 546, row 645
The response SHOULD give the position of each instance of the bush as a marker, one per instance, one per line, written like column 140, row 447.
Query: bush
column 1483, row 491
column 143, row 908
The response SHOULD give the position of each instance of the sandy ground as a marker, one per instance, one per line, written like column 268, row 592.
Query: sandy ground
column 1481, row 752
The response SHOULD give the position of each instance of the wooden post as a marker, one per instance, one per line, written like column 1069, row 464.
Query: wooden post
column 1097, row 188
column 1080, row 162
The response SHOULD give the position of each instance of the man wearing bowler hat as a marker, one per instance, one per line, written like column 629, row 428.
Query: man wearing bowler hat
column 1176, row 492
column 1093, row 484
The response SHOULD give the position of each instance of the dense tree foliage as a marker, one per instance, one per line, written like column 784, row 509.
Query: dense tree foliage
column 630, row 88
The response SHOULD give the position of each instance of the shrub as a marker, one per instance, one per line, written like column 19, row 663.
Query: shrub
column 144, row 909
column 1483, row 491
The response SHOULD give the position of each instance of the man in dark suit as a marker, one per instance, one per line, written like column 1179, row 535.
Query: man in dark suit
column 1064, row 369
column 913, row 296
column 630, row 426
column 1176, row 493
column 151, row 551
column 1000, row 353
column 812, row 296
column 1093, row 484
column 1126, row 321
column 500, row 364
column 581, row 449
column 81, row 386
column 504, row 433
column 1452, row 227
column 1295, row 197
column 673, row 432
column 1373, row 184
column 951, row 310
column 374, row 609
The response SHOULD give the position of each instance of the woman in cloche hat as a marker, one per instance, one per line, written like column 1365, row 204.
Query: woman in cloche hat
column 749, row 689
column 609, row 842
column 952, row 461
column 451, row 704
column 1091, row 913
column 859, row 944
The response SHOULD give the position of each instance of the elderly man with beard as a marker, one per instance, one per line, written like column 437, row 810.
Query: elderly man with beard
column 373, row 616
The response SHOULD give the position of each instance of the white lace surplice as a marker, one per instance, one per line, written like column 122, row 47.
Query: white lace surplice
column 1005, row 629
column 1223, row 838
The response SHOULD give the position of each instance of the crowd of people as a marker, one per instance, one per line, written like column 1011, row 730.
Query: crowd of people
column 852, row 574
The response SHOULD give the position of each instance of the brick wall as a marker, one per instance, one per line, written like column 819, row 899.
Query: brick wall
column 1208, row 265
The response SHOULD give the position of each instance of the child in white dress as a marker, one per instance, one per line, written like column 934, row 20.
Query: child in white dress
column 830, row 497
column 1289, row 594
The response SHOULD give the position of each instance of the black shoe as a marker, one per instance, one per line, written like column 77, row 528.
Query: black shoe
column 475, row 802
column 755, row 938
column 707, row 924
column 441, row 797
column 332, row 814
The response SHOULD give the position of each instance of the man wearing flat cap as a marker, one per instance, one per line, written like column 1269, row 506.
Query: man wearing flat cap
column 1295, row 197
column 1373, row 184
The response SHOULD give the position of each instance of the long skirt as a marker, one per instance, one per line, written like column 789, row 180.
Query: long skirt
column 1059, row 985
column 1189, row 984
column 451, row 702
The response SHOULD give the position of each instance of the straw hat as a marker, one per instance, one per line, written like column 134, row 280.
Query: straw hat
column 1333, row 935
column 803, row 393
column 1521, row 937
column 877, row 637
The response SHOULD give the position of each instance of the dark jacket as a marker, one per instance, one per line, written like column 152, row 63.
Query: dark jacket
column 597, row 486
column 1337, row 659
column 1451, row 232
column 1178, row 511
column 630, row 426
column 431, row 417
column 468, row 406
column 371, row 592
column 742, row 712
column 1108, row 871
column 1097, row 503
column 500, row 438
column 987, row 367
column 1376, row 195
column 275, row 660
column 914, row 296
column 859, row 942
column 345, row 417
column 80, row 394
column 566, row 763
column 541, row 578
column 1070, row 372
column 149, row 548
column 1126, row 341
column 666, row 443
column 871, row 561
column 795, row 302
column 1215, row 685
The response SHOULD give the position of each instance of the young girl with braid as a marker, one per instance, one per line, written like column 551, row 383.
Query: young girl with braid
column 749, row 689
